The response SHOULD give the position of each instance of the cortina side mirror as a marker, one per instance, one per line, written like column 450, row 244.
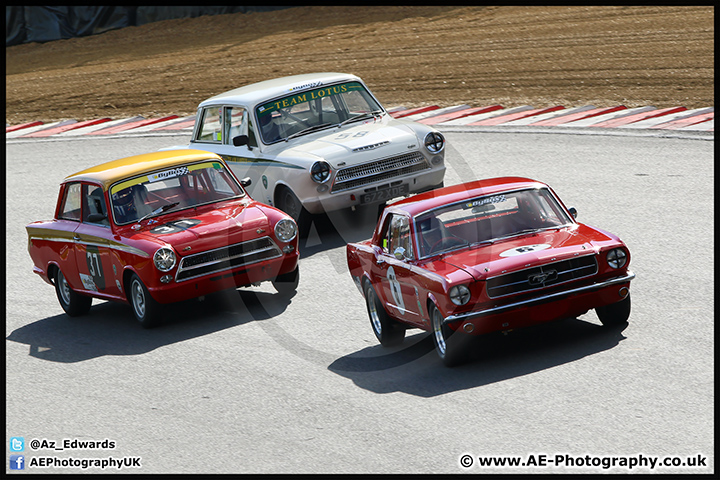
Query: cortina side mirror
column 241, row 140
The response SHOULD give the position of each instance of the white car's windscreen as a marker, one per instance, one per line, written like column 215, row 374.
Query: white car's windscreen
column 314, row 109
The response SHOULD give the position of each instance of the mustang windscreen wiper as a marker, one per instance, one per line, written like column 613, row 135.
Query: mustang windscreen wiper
column 309, row 129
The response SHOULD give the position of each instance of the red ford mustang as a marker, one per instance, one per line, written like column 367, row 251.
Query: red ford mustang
column 159, row 228
column 490, row 255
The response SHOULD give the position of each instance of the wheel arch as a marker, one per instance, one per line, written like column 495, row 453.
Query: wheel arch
column 279, row 186
column 52, row 269
column 365, row 282
column 126, row 277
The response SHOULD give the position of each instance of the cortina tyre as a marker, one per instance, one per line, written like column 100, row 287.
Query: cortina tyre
column 290, row 204
column 387, row 331
column 286, row 284
column 71, row 302
column 145, row 308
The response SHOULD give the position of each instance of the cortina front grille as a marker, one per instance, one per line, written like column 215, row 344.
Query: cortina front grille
column 226, row 258
column 543, row 276
column 379, row 171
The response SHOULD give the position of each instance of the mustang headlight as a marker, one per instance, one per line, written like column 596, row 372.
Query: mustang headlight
column 460, row 294
column 164, row 259
column 285, row 230
column 320, row 171
column 617, row 258
column 434, row 142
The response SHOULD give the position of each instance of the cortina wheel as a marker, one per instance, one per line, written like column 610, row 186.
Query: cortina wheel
column 71, row 302
column 290, row 204
column 287, row 283
column 145, row 308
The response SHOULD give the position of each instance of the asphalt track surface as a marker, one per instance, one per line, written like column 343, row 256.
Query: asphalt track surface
column 245, row 383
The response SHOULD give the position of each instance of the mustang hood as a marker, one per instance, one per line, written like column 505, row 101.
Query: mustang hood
column 211, row 226
column 356, row 144
column 527, row 251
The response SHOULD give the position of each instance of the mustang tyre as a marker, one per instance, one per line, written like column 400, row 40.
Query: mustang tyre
column 447, row 343
column 615, row 313
column 72, row 302
column 387, row 331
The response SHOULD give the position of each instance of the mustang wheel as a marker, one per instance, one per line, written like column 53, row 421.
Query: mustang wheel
column 446, row 342
column 145, row 308
column 615, row 313
column 387, row 331
column 290, row 204
column 286, row 284
column 73, row 303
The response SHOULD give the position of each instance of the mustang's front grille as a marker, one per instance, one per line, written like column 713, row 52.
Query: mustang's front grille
column 378, row 171
column 543, row 276
column 226, row 258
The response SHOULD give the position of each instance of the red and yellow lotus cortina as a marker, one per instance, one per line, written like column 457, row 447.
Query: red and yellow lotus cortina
column 159, row 228
column 486, row 256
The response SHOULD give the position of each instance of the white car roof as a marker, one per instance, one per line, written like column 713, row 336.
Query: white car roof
column 267, row 90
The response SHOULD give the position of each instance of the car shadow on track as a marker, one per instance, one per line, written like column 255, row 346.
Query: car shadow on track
column 336, row 229
column 415, row 368
column 110, row 327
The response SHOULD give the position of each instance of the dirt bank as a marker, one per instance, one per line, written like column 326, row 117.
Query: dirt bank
column 411, row 56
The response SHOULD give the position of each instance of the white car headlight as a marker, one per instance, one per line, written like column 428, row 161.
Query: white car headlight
column 617, row 258
column 164, row 259
column 459, row 294
column 285, row 230
column 320, row 171
column 434, row 142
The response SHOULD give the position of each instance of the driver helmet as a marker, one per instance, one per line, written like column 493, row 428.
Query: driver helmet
column 123, row 201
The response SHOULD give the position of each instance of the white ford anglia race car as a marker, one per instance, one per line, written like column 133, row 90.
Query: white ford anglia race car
column 318, row 142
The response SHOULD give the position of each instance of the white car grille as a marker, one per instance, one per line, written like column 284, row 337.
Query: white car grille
column 379, row 171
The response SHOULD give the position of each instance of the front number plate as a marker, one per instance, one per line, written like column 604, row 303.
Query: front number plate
column 385, row 194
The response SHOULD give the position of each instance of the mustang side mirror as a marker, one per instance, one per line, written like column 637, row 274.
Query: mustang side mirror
column 399, row 253
column 573, row 212
column 241, row 140
column 246, row 182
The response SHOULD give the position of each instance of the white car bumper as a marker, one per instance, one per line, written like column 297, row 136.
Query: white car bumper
column 373, row 193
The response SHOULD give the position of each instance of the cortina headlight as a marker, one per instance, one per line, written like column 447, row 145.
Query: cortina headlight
column 434, row 142
column 460, row 294
column 285, row 230
column 164, row 259
column 617, row 258
column 320, row 171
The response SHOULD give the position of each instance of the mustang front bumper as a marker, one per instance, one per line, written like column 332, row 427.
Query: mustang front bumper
column 554, row 309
